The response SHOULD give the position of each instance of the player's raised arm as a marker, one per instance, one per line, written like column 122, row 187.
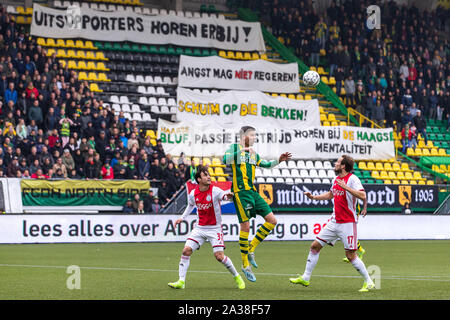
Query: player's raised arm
column 270, row 164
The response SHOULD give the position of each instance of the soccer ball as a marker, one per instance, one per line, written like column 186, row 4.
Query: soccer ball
column 311, row 78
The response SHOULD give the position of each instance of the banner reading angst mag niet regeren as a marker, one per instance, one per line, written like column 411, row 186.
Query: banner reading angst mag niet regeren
column 255, row 108
column 81, row 192
column 85, row 23
column 213, row 139
column 220, row 73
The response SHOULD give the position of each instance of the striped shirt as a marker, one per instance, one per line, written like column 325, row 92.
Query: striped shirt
column 243, row 165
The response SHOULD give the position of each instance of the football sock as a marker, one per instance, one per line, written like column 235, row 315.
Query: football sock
column 261, row 234
column 361, row 268
column 229, row 265
column 360, row 248
column 243, row 245
column 311, row 262
column 183, row 267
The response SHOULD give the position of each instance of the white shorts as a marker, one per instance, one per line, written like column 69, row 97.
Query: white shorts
column 333, row 231
column 199, row 236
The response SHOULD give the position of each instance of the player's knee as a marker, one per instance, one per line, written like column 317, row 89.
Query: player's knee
column 245, row 226
column 187, row 251
column 219, row 256
column 315, row 246
column 350, row 254
column 270, row 218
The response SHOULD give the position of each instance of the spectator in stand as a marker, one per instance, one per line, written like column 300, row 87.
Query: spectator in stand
column 156, row 207
column 107, row 171
column 421, row 124
column 128, row 207
column 412, row 137
column 350, row 90
column 140, row 209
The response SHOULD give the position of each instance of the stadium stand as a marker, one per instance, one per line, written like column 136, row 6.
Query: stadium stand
column 130, row 86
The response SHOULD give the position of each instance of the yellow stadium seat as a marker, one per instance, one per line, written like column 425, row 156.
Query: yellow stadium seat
column 321, row 71
column 213, row 179
column 392, row 175
column 430, row 144
column 412, row 182
column 70, row 43
column 89, row 45
column 274, row 94
column 362, row 165
column 404, row 182
column 82, row 65
column 418, row 176
column 50, row 52
column 100, row 56
column 283, row 95
column 387, row 182
column 405, row 166
column 103, row 77
column 370, row 165
column 28, row 11
column 92, row 76
column 72, row 64
column 418, row 152
column 219, row 171
column 20, row 10
column 247, row 56
column 421, row 144
column 313, row 68
column 401, row 175
column 342, row 123
column 442, row 152
column 422, row 182
column 60, row 43
column 375, row 174
column 221, row 179
column 331, row 117
column 63, row 63
column 196, row 161
column 101, row 66
column 396, row 167
column 206, row 161
column 41, row 42
column 387, row 167
column 211, row 171
column 291, row 96
column 334, row 123
column 430, row 182
column 239, row 55
column 322, row 52
column 379, row 166
column 396, row 181
column 79, row 44
column 264, row 57
column 61, row 53
column 151, row 134
column 80, row 54
column 71, row 54
column 323, row 117
column 409, row 176
column 51, row 42
column 91, row 65
column 443, row 167
column 308, row 97
column 153, row 142
column 255, row 56
column 332, row 81
column 90, row 55
column 299, row 96
column 82, row 76
column 384, row 175
column 222, row 54
column 434, row 152
column 94, row 87
column 230, row 55
column 324, row 80
column 325, row 123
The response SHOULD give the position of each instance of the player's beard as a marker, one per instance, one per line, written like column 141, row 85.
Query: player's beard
column 338, row 171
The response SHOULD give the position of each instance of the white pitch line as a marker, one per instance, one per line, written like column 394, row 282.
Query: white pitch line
column 412, row 278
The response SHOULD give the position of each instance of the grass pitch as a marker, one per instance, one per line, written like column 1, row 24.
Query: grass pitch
column 409, row 270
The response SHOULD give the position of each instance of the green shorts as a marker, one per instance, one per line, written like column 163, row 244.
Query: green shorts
column 248, row 204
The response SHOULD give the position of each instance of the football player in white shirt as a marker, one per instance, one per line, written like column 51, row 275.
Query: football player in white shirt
column 206, row 198
column 346, row 188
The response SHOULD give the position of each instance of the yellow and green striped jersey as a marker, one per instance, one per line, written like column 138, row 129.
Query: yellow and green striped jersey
column 243, row 165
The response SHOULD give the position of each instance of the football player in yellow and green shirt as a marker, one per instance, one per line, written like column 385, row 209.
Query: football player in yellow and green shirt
column 243, row 160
